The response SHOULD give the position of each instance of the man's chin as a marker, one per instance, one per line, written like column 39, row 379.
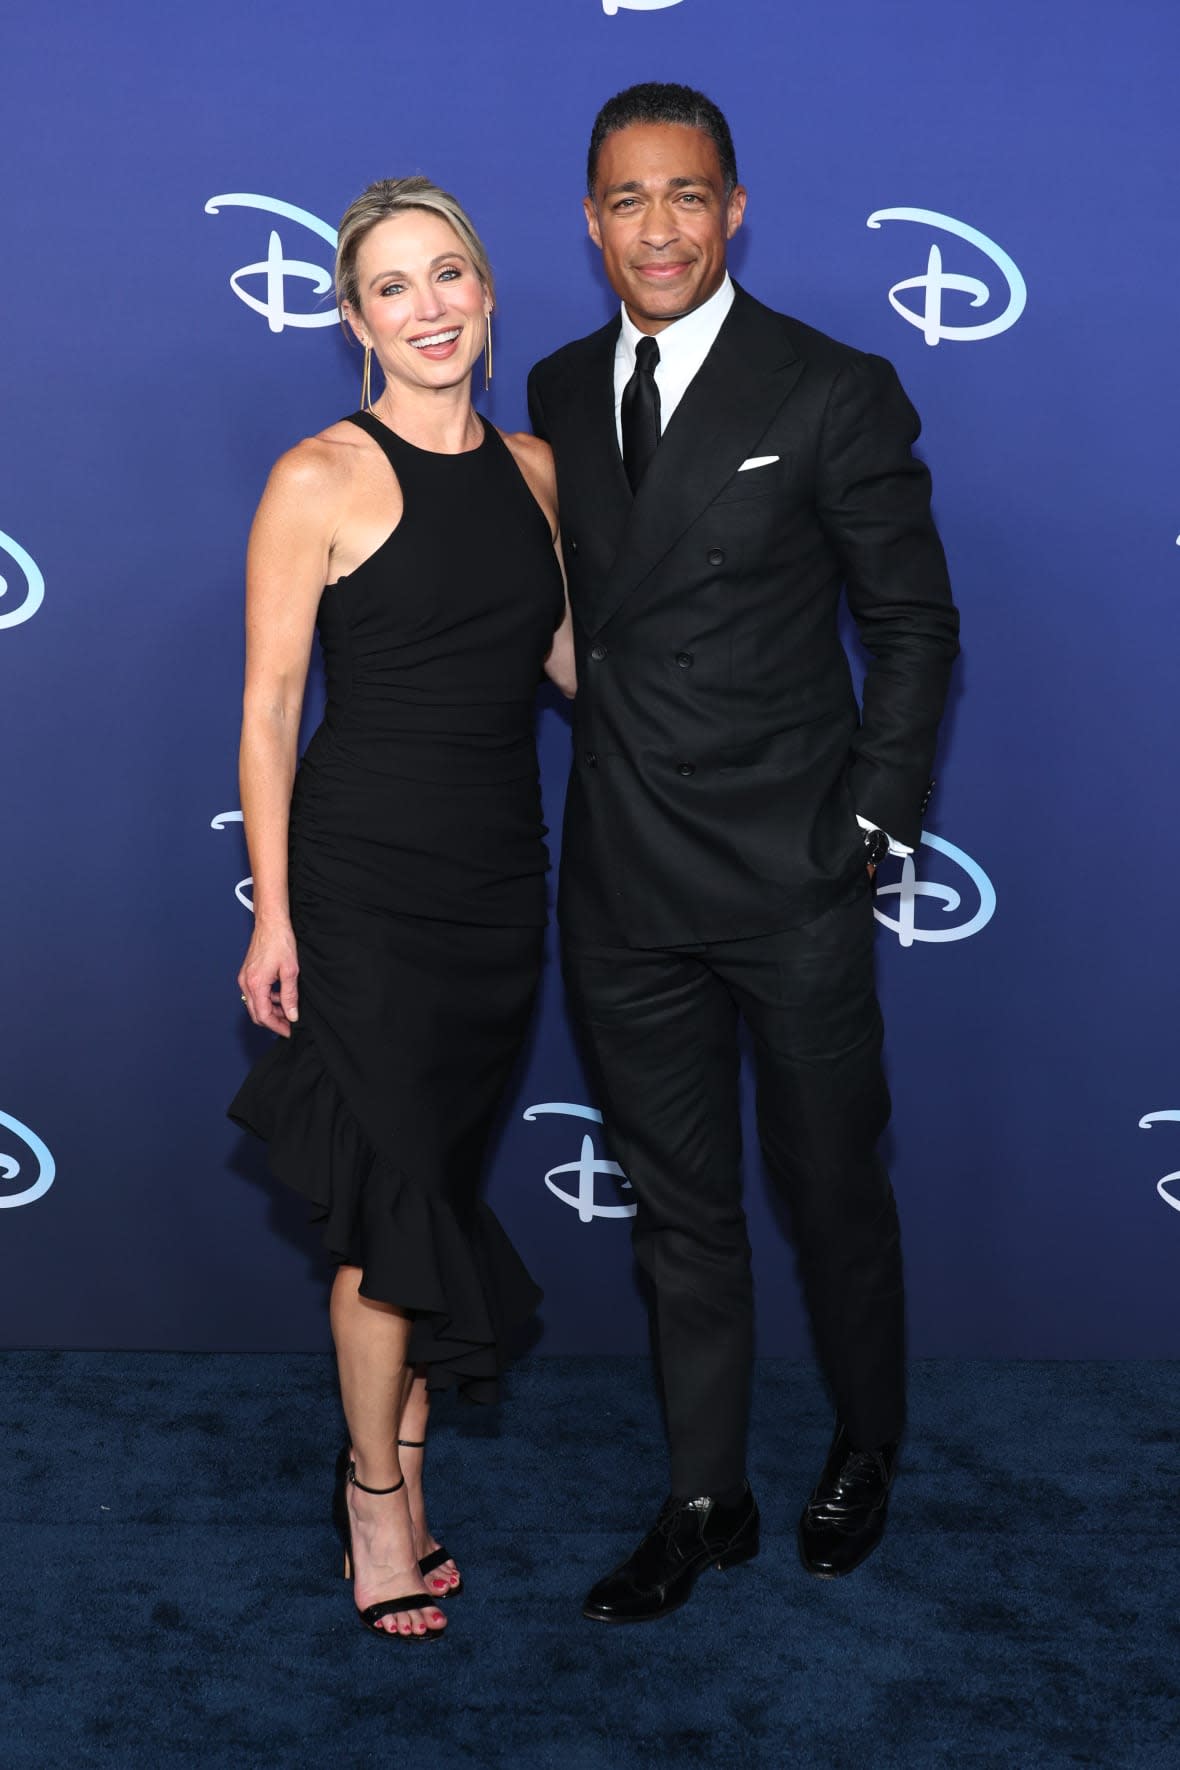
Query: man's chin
column 661, row 306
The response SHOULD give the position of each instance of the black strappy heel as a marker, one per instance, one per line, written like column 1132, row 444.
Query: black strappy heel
column 371, row 1616
column 436, row 1557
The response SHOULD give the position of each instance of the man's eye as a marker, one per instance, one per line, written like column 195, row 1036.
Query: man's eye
column 625, row 203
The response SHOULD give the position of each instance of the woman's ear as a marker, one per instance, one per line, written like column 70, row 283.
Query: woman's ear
column 352, row 320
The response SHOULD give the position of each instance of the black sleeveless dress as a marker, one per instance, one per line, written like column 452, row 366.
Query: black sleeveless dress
column 417, row 892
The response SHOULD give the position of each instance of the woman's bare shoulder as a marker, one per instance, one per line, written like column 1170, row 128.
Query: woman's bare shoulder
column 530, row 451
column 320, row 465
column 535, row 460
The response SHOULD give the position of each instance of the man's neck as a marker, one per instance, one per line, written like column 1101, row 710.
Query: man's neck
column 653, row 328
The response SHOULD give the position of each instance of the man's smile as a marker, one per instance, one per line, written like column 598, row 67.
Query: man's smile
column 661, row 271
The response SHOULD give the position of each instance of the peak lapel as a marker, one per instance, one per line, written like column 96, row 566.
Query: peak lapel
column 736, row 392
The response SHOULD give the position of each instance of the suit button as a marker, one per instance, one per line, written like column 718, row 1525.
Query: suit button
column 686, row 768
column 715, row 556
column 598, row 652
column 591, row 758
column 572, row 544
column 684, row 659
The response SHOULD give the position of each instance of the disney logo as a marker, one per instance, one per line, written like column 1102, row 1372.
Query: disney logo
column 34, row 583
column 10, row 1168
column 587, row 1167
column 909, row 888
column 221, row 822
column 275, row 268
column 1145, row 1123
column 610, row 7
column 936, row 280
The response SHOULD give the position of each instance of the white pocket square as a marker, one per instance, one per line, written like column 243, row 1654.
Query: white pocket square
column 757, row 461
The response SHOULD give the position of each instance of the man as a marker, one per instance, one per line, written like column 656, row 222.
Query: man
column 723, row 472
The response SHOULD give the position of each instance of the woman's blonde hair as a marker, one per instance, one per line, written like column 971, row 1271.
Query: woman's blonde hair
column 394, row 196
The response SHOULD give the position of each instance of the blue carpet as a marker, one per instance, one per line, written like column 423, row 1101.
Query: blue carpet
column 172, row 1592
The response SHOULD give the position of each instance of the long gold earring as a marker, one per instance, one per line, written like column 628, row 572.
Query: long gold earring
column 487, row 354
column 367, row 381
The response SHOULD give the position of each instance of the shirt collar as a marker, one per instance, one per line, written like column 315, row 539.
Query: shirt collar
column 687, row 341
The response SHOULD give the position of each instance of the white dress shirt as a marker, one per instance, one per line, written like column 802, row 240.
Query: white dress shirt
column 684, row 345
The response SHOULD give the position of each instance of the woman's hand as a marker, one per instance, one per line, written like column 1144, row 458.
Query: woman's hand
column 559, row 665
column 268, row 979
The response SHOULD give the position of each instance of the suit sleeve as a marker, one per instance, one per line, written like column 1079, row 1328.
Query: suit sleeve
column 536, row 410
column 874, row 503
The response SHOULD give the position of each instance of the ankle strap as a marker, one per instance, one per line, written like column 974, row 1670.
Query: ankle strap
column 352, row 1478
column 413, row 1443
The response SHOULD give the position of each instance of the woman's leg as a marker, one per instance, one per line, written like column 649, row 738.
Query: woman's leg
column 415, row 1416
column 371, row 1342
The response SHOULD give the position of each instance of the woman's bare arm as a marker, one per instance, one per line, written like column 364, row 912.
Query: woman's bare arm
column 286, row 569
column 535, row 460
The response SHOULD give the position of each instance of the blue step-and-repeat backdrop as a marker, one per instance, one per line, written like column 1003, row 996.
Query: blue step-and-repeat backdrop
column 985, row 194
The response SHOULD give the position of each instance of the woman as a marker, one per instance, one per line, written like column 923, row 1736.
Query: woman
column 399, row 874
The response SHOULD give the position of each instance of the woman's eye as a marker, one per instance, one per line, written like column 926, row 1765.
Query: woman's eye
column 452, row 270
column 393, row 288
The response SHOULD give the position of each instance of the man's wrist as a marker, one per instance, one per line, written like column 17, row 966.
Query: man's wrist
column 890, row 846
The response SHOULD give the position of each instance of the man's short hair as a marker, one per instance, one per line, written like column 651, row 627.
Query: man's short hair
column 661, row 102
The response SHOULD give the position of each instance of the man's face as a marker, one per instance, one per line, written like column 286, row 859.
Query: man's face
column 662, row 220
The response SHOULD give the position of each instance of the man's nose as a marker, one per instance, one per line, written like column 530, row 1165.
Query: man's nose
column 661, row 229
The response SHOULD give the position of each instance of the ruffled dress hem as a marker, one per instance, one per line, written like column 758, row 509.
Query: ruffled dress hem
column 456, row 1274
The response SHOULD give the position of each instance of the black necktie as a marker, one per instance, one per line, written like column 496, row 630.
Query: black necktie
column 641, row 413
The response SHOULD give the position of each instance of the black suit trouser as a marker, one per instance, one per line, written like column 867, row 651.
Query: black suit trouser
column 660, row 1033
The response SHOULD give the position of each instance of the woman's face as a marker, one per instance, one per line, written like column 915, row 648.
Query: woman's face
column 422, row 306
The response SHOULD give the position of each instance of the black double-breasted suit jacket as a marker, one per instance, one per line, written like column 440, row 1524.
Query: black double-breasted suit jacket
column 720, row 757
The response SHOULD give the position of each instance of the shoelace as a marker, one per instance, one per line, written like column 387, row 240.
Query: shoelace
column 861, row 1466
column 674, row 1510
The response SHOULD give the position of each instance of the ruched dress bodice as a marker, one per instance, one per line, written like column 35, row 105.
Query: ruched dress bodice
column 433, row 650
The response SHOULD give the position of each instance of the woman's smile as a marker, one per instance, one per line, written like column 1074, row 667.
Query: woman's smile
column 439, row 345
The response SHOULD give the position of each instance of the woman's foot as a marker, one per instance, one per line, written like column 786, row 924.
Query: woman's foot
column 445, row 1579
column 385, row 1561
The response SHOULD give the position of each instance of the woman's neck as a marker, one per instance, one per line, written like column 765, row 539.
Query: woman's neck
column 442, row 420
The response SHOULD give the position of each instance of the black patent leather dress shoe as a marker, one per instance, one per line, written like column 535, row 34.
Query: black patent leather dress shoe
column 687, row 1537
column 844, row 1519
